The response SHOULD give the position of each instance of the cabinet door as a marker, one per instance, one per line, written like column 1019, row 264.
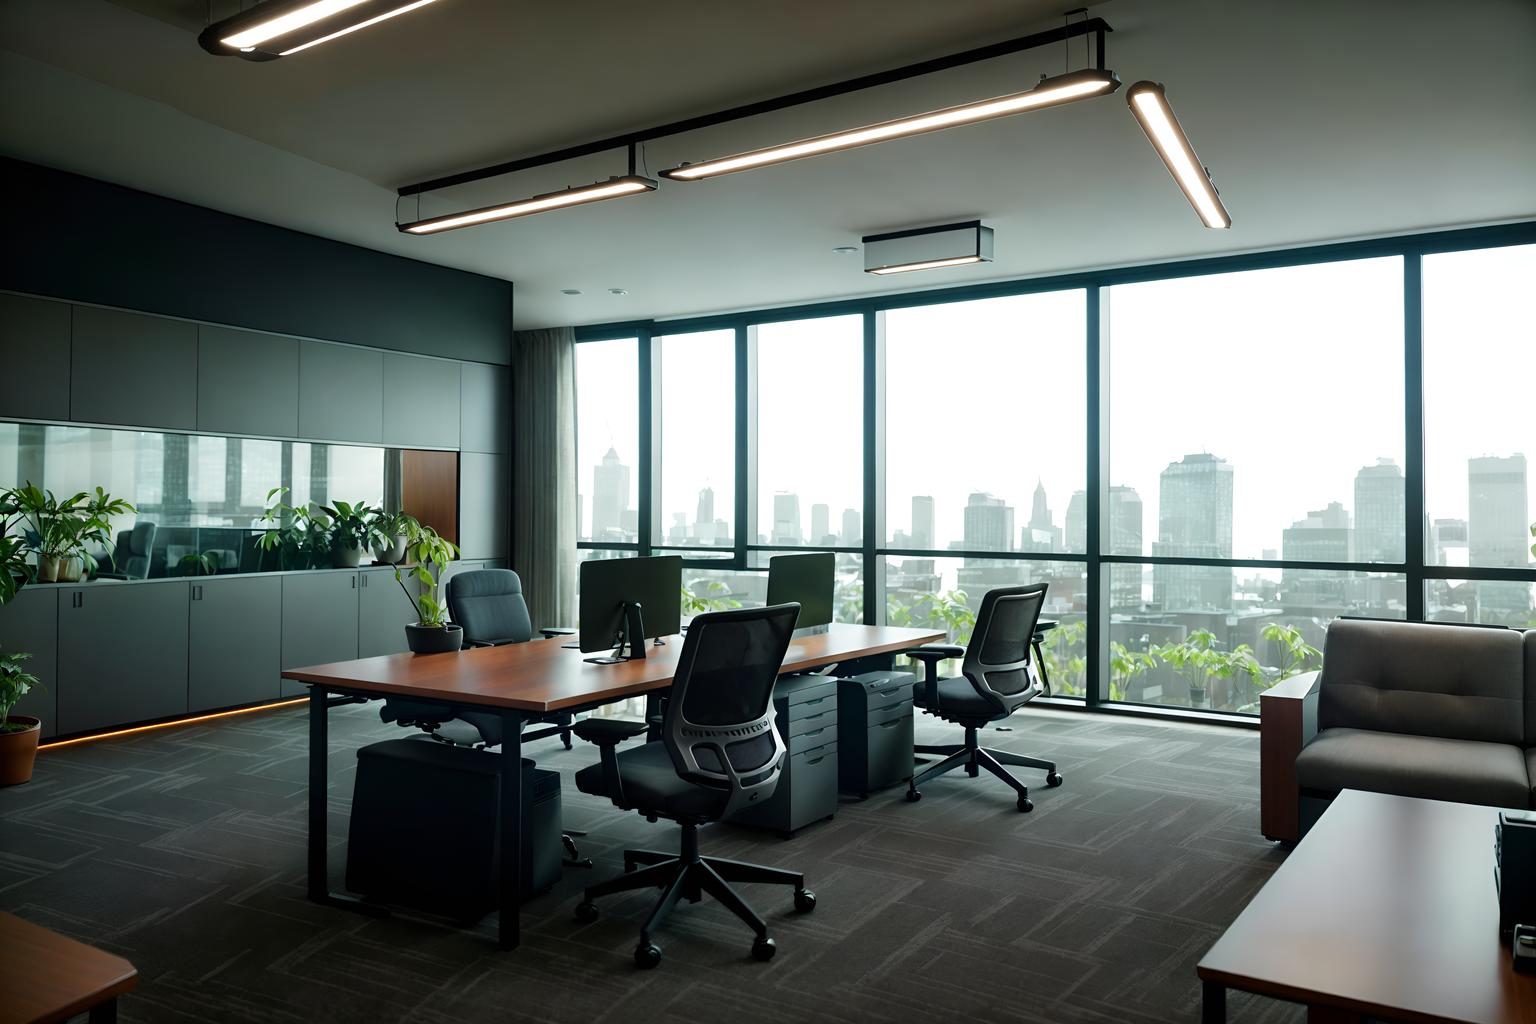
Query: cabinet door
column 383, row 612
column 122, row 654
column 421, row 402
column 133, row 369
column 341, row 393
column 235, row 642
column 319, row 622
column 484, row 500
column 34, row 352
column 247, row 383
column 30, row 624
column 485, row 412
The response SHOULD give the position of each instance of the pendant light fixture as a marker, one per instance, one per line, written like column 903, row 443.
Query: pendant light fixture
column 277, row 28
column 1149, row 102
column 1050, row 92
column 613, row 188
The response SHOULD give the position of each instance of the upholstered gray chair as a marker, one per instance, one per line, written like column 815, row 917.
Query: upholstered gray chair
column 130, row 556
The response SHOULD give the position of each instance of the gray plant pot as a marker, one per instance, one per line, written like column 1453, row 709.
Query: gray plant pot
column 392, row 555
column 347, row 558
column 434, row 639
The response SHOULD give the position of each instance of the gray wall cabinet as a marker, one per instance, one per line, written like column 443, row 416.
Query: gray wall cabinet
column 247, row 383
column 421, row 402
column 319, row 622
column 235, row 642
column 122, row 654
column 341, row 393
column 34, row 351
column 133, row 369
column 383, row 611
column 485, row 487
column 485, row 409
column 30, row 623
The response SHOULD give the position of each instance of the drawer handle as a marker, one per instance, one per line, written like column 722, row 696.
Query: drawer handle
column 813, row 732
column 888, row 693
column 820, row 759
column 888, row 707
column 894, row 721
column 818, row 700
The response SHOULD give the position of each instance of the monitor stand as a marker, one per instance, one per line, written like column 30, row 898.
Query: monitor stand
column 631, row 638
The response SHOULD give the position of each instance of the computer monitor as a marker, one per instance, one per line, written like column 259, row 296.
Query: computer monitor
column 625, row 601
column 808, row 579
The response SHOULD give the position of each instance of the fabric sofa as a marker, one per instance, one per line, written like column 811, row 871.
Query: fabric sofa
column 1446, row 712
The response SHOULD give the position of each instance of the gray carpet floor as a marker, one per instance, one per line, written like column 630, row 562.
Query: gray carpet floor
column 183, row 850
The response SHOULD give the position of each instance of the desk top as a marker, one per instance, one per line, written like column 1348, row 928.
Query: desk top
column 542, row 676
column 1386, row 908
column 45, row 977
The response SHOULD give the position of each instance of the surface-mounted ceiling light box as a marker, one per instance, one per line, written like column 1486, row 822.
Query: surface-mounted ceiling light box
column 1149, row 102
column 613, row 188
column 948, row 245
column 277, row 28
column 1049, row 92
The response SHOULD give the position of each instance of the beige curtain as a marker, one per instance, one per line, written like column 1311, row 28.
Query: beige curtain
column 544, row 472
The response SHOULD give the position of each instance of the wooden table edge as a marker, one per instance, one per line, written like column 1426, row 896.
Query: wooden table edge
column 122, row 986
column 1311, row 997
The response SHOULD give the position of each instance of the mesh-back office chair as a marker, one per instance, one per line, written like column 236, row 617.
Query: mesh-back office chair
column 997, row 678
column 719, row 751
column 489, row 605
column 130, row 556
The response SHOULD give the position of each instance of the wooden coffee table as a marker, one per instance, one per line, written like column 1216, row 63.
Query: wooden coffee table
column 1387, row 908
column 46, row 978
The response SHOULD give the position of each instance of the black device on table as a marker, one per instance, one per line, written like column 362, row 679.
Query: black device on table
column 625, row 601
column 1514, row 877
column 808, row 580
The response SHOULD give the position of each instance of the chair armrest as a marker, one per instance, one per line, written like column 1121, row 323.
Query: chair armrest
column 1287, row 723
column 607, row 732
column 930, row 655
column 468, row 644
column 549, row 632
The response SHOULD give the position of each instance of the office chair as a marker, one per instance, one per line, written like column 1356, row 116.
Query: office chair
column 997, row 678
column 719, row 752
column 489, row 605
column 130, row 556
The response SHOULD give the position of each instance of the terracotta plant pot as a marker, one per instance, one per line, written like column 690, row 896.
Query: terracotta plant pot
column 434, row 639
column 48, row 568
column 18, row 750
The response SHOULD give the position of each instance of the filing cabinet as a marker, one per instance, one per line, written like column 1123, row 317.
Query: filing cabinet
column 874, row 731
column 806, row 707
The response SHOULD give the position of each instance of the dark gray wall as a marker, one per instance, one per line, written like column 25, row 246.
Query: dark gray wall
column 88, row 241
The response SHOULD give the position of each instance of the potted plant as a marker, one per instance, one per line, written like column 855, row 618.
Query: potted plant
column 351, row 529
column 47, row 520
column 429, row 554
column 194, row 564
column 1202, row 652
column 299, row 538
column 391, row 534
column 18, row 733
column 91, row 526
column 13, row 554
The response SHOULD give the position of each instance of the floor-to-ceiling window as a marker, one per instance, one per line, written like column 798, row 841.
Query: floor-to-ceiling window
column 1206, row 468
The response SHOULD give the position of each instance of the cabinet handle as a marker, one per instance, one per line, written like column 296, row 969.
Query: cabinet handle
column 820, row 759
column 813, row 732
column 818, row 700
column 892, row 723
column 77, row 600
column 354, row 582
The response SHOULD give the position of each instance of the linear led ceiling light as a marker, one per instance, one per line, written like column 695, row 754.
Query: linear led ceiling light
column 1049, row 92
column 613, row 188
column 1149, row 102
column 277, row 28
column 948, row 245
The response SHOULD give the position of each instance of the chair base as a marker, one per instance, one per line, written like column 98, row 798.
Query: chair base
column 687, row 875
column 974, row 757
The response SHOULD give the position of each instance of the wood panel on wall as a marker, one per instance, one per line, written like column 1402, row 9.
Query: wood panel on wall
column 429, row 489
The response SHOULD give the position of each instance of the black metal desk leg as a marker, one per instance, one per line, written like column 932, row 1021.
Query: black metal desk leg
column 319, row 797
column 104, row 1013
column 512, row 829
column 1040, row 661
column 1213, row 1002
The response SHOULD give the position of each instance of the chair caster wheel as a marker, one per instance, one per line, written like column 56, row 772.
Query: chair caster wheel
column 913, row 796
column 762, row 949
column 1025, row 804
column 586, row 911
column 805, row 901
column 647, row 955
column 1053, row 780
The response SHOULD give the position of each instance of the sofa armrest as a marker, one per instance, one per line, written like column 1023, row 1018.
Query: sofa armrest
column 1287, row 723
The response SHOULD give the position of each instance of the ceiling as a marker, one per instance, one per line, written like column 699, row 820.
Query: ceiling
column 1319, row 120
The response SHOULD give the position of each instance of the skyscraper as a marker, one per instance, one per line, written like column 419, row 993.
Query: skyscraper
column 706, row 512
column 821, row 524
column 1324, row 536
column 988, row 523
column 853, row 534
column 1379, row 513
column 1042, row 533
column 1194, row 521
column 1077, row 522
column 922, row 522
column 786, row 518
column 1498, row 512
column 1125, row 520
column 610, row 497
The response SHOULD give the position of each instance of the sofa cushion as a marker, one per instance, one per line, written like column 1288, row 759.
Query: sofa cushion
column 1426, row 679
column 1530, row 770
column 1464, row 771
column 1530, row 687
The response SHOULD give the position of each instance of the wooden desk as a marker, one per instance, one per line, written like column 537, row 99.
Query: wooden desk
column 46, row 978
column 523, row 681
column 1386, row 909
